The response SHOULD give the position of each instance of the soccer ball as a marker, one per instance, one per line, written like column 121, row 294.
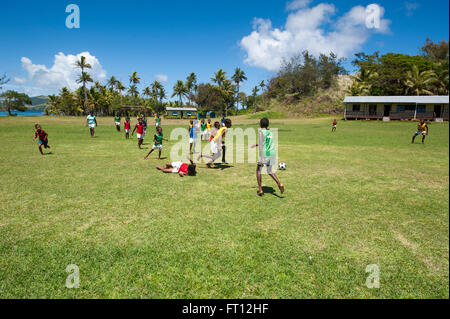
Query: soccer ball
column 282, row 165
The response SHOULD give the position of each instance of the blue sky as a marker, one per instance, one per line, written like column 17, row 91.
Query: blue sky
column 173, row 38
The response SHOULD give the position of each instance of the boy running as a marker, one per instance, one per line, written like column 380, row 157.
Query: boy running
column 91, row 121
column 203, row 130
column 216, row 143
column 43, row 138
column 117, row 122
column 422, row 129
column 158, row 139
column 191, row 129
column 333, row 129
column 157, row 121
column 127, row 127
column 180, row 168
column 144, row 121
column 208, row 129
column 267, row 156
column 139, row 128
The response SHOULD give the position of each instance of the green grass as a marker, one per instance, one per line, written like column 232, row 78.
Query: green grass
column 268, row 114
column 363, row 195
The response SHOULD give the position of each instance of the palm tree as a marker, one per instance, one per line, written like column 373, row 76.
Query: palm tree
column 82, row 64
column 219, row 77
column 262, row 85
column 83, row 79
column 134, row 78
column 180, row 90
column 255, row 91
column 441, row 69
column 191, row 84
column 419, row 82
column 162, row 94
column 120, row 88
column 147, row 92
column 133, row 91
column 362, row 83
column 112, row 82
column 238, row 77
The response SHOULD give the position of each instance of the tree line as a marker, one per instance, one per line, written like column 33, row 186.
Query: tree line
column 301, row 76
column 400, row 74
column 221, row 95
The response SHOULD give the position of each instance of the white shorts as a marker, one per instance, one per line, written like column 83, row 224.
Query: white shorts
column 117, row 123
column 127, row 131
column 176, row 166
column 91, row 125
column 214, row 147
column 157, row 146
column 269, row 162
column 191, row 140
column 140, row 136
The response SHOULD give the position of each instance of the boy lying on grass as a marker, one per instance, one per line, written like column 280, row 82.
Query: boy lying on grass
column 180, row 168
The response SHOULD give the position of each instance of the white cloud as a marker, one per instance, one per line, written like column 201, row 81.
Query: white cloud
column 297, row 4
column 162, row 77
column 43, row 80
column 312, row 29
column 20, row 80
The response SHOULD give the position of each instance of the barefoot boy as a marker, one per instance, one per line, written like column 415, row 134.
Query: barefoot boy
column 180, row 168
column 157, row 140
column 91, row 121
column 117, row 122
column 139, row 128
column 127, row 127
column 43, row 138
column 216, row 143
column 422, row 129
column 191, row 136
column 267, row 156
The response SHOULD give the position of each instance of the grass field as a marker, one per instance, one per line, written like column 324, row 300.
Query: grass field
column 363, row 195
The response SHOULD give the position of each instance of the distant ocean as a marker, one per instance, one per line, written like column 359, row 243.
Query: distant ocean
column 26, row 113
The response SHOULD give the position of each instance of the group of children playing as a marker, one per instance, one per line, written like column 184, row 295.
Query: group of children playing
column 215, row 134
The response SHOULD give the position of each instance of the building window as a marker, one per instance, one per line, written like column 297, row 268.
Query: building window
column 356, row 107
column 421, row 109
column 403, row 108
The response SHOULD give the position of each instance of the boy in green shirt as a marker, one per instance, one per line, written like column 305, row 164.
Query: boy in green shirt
column 203, row 130
column 266, row 155
column 117, row 122
column 158, row 139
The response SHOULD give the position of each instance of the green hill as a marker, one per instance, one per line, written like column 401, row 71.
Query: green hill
column 38, row 102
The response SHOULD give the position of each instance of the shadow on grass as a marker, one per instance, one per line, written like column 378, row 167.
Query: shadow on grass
column 216, row 166
column 270, row 190
column 221, row 166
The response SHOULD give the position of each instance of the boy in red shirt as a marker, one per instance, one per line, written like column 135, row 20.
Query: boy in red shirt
column 139, row 128
column 43, row 138
column 180, row 168
column 333, row 129
column 127, row 126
